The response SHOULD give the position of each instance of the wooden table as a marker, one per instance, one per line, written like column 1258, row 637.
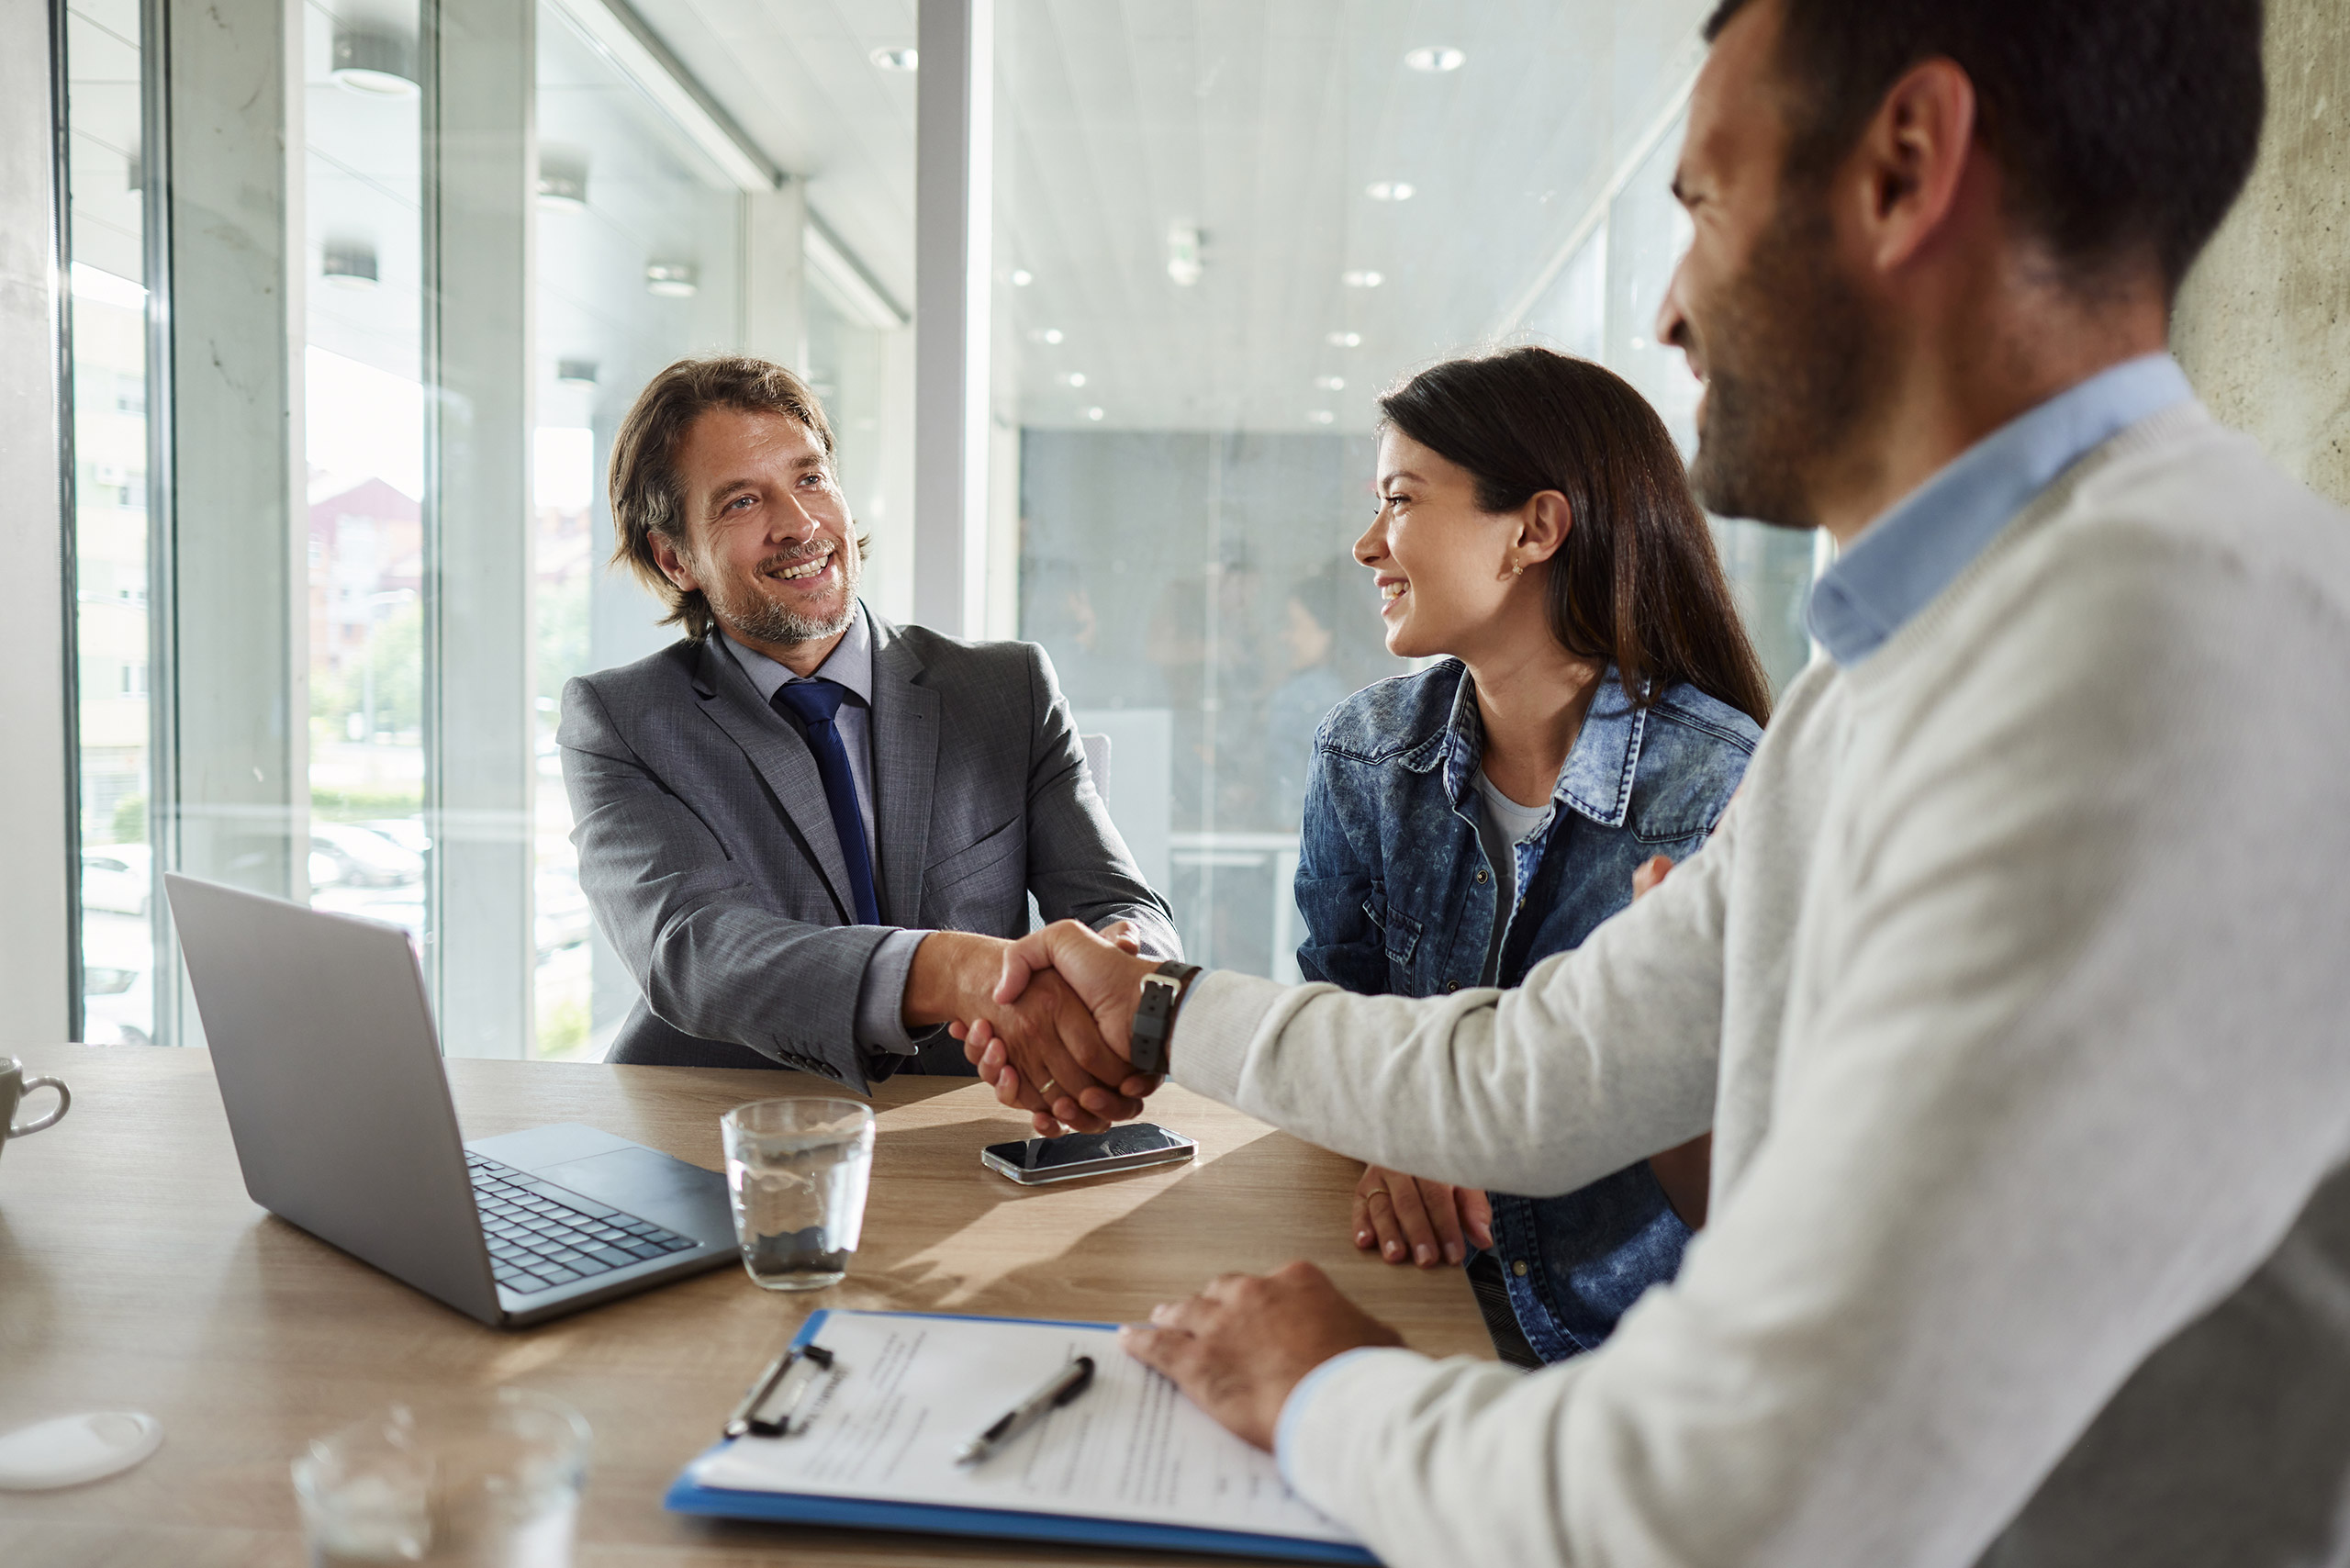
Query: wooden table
column 136, row 1275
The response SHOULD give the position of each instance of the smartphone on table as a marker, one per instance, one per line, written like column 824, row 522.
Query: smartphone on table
column 1130, row 1147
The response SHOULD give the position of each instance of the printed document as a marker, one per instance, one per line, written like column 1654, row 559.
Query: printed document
column 909, row 1391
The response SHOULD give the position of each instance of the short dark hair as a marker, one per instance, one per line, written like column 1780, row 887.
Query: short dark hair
column 2124, row 126
column 1637, row 581
column 647, row 493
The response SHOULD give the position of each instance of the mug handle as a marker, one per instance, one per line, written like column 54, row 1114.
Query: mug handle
column 64, row 1102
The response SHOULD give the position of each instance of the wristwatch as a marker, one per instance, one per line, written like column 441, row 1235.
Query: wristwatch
column 1162, row 993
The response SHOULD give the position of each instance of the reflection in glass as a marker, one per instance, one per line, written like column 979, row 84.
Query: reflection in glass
column 106, row 229
column 364, row 441
column 639, row 251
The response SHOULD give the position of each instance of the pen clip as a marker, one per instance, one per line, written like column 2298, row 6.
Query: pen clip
column 775, row 1402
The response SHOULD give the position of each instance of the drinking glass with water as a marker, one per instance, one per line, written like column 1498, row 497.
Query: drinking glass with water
column 797, row 1171
column 484, row 1479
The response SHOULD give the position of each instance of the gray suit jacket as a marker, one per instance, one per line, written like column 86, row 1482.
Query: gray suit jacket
column 709, row 853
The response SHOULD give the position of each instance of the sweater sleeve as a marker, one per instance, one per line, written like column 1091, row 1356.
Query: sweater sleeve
column 1603, row 1057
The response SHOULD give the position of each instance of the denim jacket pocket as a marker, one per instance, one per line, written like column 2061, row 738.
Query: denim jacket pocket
column 1402, row 932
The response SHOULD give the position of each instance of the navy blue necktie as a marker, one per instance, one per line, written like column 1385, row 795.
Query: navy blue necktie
column 814, row 702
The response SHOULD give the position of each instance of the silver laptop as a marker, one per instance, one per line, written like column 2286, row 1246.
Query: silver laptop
column 323, row 1044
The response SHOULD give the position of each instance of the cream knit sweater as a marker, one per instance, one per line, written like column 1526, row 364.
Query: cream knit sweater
column 2015, row 987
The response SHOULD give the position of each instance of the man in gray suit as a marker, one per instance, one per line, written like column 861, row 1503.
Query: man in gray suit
column 808, row 831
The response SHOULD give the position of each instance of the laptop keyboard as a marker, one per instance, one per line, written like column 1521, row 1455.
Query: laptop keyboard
column 541, row 1236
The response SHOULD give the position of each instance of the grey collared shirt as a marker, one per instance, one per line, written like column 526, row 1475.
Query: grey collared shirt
column 880, row 997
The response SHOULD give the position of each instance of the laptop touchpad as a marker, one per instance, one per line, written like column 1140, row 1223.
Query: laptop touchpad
column 650, row 1185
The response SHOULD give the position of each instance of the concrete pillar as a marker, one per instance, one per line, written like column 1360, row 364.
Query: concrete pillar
column 37, row 911
column 774, row 310
column 231, row 759
column 2263, row 326
column 479, row 60
column 954, row 201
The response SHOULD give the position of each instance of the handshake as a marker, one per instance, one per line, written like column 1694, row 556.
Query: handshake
column 1048, row 1020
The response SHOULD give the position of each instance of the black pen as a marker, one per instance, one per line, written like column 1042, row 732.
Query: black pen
column 1064, row 1385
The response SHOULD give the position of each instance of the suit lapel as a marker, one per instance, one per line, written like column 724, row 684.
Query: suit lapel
column 905, row 769
column 782, row 760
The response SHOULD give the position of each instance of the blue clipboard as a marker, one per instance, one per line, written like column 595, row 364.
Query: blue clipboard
column 684, row 1496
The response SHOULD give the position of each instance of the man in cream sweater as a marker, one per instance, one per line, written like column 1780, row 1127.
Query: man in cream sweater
column 2016, row 985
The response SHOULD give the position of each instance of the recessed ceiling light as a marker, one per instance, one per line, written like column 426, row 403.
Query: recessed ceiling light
column 1435, row 57
column 1183, row 255
column 1045, row 335
column 1320, row 416
column 1388, row 190
column 349, row 265
column 1093, row 413
column 1021, row 277
column 562, row 179
column 897, row 58
column 374, row 65
column 1331, row 382
column 1363, row 279
column 1075, row 378
column 672, row 280
column 1346, row 340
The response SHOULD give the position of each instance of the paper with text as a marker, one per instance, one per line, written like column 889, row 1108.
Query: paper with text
column 912, row 1390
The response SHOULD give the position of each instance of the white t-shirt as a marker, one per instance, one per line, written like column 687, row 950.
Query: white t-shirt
column 1502, row 825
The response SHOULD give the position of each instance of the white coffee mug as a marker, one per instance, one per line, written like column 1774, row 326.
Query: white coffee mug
column 14, row 1087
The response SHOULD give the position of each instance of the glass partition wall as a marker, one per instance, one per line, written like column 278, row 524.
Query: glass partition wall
column 329, row 593
column 1221, row 232
column 342, row 413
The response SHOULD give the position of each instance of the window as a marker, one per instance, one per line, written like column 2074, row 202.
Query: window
column 1219, row 235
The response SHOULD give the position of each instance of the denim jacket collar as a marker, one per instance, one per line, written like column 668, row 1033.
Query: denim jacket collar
column 1596, row 779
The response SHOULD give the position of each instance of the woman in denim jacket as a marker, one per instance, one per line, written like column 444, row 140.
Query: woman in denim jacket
column 1595, row 707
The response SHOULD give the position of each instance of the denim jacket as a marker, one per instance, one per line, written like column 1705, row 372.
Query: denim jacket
column 1399, row 900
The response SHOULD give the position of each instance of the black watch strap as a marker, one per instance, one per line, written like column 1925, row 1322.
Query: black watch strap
column 1162, row 994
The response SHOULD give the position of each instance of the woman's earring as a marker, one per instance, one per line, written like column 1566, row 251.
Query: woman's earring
column 1518, row 568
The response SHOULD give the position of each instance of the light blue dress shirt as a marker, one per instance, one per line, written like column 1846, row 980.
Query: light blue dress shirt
column 1913, row 552
column 881, row 994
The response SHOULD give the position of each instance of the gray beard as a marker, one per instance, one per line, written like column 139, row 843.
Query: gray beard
column 753, row 617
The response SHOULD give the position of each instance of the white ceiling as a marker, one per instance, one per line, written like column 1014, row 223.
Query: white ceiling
column 1261, row 122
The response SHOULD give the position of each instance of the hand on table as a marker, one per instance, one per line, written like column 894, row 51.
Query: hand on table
column 1105, row 972
column 1410, row 1219
column 1240, row 1346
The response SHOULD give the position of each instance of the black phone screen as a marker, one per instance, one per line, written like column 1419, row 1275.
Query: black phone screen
column 1083, row 1148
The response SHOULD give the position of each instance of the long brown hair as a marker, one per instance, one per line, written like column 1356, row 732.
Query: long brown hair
column 1637, row 581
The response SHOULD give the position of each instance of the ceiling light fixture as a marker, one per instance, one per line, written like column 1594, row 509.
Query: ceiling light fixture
column 1388, row 190
column 562, row 179
column 1435, row 58
column 1346, row 340
column 897, row 58
column 1320, row 416
column 1094, row 414
column 576, row 372
column 672, row 280
column 1045, row 335
column 1183, row 255
column 1075, row 378
column 1360, row 279
column 1021, row 277
column 1331, row 382
column 349, row 264
column 374, row 65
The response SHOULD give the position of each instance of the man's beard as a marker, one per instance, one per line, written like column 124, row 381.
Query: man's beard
column 752, row 616
column 1789, row 370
